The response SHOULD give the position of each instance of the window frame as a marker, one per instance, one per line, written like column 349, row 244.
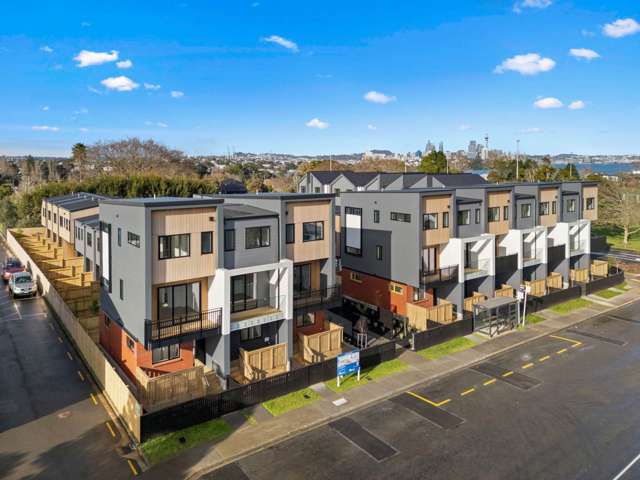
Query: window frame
column 400, row 217
column 593, row 203
column 261, row 242
column 477, row 216
column 169, row 356
column 554, row 207
column 133, row 239
column 256, row 331
column 119, row 236
column 505, row 212
column 571, row 205
column 445, row 219
column 290, row 233
column 379, row 252
column 170, row 250
column 461, row 214
column 543, row 211
column 229, row 239
column 121, row 289
column 203, row 235
column 376, row 216
column 430, row 225
column 491, row 218
column 315, row 224
column 522, row 209
column 355, row 277
column 303, row 323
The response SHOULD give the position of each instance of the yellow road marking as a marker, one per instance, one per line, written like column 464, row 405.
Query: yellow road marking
column 132, row 466
column 574, row 343
column 424, row 399
column 507, row 374
column 490, row 382
column 467, row 392
column 546, row 357
column 528, row 365
column 113, row 434
column 80, row 375
column 69, row 355
column 561, row 351
column 60, row 339
column 94, row 399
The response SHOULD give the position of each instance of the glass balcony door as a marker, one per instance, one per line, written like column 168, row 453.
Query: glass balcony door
column 430, row 260
column 302, row 280
column 177, row 302
column 243, row 295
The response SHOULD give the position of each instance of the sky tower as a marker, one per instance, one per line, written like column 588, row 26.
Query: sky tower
column 485, row 152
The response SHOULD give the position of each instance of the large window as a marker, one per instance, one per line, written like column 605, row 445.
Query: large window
column 133, row 239
column 401, row 217
column 243, row 293
column 430, row 221
column 174, row 246
column 312, row 231
column 353, row 227
column 525, row 210
column 206, row 242
column 590, row 203
column 302, row 279
column 544, row 208
column 464, row 217
column 290, row 233
column 493, row 214
column 176, row 302
column 571, row 205
column 250, row 333
column 163, row 354
column 229, row 240
column 305, row 319
column 257, row 237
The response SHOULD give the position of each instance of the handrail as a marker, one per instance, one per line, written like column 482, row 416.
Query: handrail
column 316, row 297
column 444, row 274
column 189, row 324
column 247, row 304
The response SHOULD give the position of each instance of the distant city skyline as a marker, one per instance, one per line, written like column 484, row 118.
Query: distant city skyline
column 322, row 79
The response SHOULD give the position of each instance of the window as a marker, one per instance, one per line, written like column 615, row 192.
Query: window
column 130, row 344
column 571, row 205
column 590, row 203
column 302, row 280
column 395, row 288
column 229, row 240
column 316, row 189
column 525, row 210
column 175, row 302
column 376, row 216
column 493, row 214
column 544, row 208
column 49, row 214
column 55, row 218
column 174, row 246
column 464, row 217
column 89, row 239
column 378, row 252
column 250, row 333
column 477, row 215
column 355, row 277
column 430, row 221
column 290, row 233
column 505, row 212
column 353, row 230
column 303, row 189
column 121, row 289
column 119, row 237
column 257, row 237
column 133, row 239
column 554, row 207
column 336, row 191
column 445, row 219
column 206, row 242
column 401, row 217
column 304, row 320
column 163, row 354
column 312, row 231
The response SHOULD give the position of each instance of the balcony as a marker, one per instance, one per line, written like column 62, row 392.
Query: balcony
column 309, row 300
column 191, row 326
column 250, row 312
column 531, row 255
column 476, row 268
column 439, row 276
column 577, row 246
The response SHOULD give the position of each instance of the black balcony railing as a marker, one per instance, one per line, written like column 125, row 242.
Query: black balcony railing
column 191, row 325
column 440, row 275
column 245, row 303
column 317, row 298
column 507, row 263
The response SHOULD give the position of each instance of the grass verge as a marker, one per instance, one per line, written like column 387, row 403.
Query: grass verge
column 570, row 306
column 615, row 237
column 290, row 401
column 608, row 293
column 367, row 375
column 164, row 446
column 445, row 348
column 533, row 318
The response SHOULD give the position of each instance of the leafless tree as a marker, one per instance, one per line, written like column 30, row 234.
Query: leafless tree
column 619, row 204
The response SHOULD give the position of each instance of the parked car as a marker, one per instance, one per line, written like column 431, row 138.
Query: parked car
column 11, row 266
column 21, row 284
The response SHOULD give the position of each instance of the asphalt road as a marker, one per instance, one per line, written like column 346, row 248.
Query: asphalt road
column 562, row 407
column 50, row 427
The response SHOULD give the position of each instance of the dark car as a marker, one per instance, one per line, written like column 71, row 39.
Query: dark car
column 11, row 266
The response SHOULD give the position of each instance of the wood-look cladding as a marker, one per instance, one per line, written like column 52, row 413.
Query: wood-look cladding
column 549, row 195
column 500, row 200
column 437, row 205
column 204, row 298
column 299, row 213
column 174, row 222
column 590, row 192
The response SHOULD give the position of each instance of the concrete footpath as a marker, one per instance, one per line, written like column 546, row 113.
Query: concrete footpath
column 255, row 429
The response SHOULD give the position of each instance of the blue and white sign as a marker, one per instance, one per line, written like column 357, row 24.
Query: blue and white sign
column 348, row 363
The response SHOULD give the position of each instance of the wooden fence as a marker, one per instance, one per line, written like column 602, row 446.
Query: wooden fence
column 505, row 291
column 419, row 315
column 537, row 287
column 321, row 346
column 554, row 280
column 579, row 275
column 160, row 390
column 115, row 390
column 469, row 302
column 263, row 362
column 599, row 268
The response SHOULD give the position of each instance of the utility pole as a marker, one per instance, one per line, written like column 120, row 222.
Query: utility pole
column 517, row 160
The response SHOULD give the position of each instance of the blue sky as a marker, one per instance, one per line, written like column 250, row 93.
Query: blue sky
column 321, row 77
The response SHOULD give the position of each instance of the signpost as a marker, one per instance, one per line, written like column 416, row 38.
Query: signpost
column 521, row 294
column 348, row 363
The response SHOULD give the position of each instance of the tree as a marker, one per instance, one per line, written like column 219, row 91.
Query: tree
column 79, row 159
column 61, row 171
column 619, row 204
column 568, row 172
column 44, row 171
column 256, row 184
column 434, row 162
column 5, row 190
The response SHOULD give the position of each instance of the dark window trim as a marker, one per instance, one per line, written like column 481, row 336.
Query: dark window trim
column 232, row 247
column 505, row 212
column 445, row 219
column 496, row 218
column 379, row 252
column 461, row 215
column 400, row 217
column 202, row 235
column 261, row 241
column 170, row 250
column 425, row 226
column 290, row 228
column 169, row 356
column 477, row 216
column 315, row 224
column 376, row 216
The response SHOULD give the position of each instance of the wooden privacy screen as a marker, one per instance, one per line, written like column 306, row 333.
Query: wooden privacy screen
column 420, row 315
column 323, row 345
column 263, row 362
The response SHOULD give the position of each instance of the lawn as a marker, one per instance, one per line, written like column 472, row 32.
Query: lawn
column 290, row 401
column 451, row 346
column 379, row 371
column 615, row 236
column 165, row 446
column 608, row 293
column 570, row 306
column 533, row 318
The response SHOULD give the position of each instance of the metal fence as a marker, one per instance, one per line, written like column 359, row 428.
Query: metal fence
column 599, row 245
column 602, row 283
column 434, row 336
column 535, row 304
column 212, row 406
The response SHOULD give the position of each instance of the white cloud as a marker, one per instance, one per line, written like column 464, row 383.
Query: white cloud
column 45, row 108
column 124, row 64
column 84, row 129
column 585, row 53
column 44, row 128
column 283, row 42
column 548, row 102
column 577, row 105
column 120, row 84
column 46, row 49
column 372, row 127
column 464, row 127
column 527, row 64
column 151, row 86
column 95, row 90
column 518, row 6
column 528, row 131
column 621, row 28
column 177, row 94
column 88, row 58
column 377, row 97
column 317, row 123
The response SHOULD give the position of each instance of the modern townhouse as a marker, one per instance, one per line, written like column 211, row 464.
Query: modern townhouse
column 87, row 243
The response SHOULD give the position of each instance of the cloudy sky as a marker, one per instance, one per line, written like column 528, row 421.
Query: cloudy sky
column 321, row 77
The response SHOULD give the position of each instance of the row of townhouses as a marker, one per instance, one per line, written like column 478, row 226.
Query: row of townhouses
column 204, row 280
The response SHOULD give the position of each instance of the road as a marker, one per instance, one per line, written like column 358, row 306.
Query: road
column 562, row 407
column 50, row 426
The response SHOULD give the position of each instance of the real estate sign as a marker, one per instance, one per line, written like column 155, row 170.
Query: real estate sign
column 348, row 363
